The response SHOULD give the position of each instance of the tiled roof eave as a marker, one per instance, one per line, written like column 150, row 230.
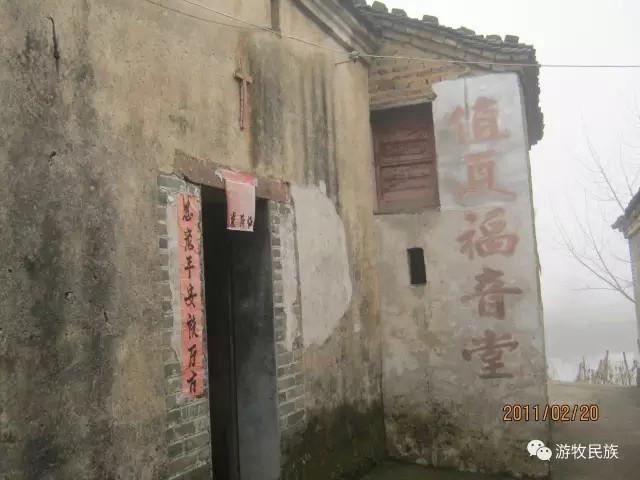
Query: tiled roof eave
column 464, row 45
column 414, row 26
column 631, row 212
column 465, row 53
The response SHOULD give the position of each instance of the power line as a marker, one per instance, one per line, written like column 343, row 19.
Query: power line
column 245, row 24
column 226, row 15
column 504, row 64
column 195, row 17
column 261, row 27
column 353, row 56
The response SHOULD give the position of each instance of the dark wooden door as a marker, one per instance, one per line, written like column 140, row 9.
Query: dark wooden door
column 255, row 363
column 241, row 346
column 220, row 342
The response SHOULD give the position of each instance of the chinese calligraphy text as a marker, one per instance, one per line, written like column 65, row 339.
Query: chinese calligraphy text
column 489, row 237
column 481, row 162
column 490, row 290
column 241, row 201
column 189, row 251
column 490, row 348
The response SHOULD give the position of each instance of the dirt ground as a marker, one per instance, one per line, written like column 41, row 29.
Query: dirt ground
column 619, row 424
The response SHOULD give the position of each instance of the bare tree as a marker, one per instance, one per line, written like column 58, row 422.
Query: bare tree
column 614, row 189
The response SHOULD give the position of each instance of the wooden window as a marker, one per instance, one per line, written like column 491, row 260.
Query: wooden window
column 405, row 158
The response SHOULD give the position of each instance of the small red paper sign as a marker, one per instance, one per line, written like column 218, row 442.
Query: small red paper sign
column 241, row 201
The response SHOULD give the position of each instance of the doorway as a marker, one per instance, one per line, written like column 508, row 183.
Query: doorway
column 241, row 346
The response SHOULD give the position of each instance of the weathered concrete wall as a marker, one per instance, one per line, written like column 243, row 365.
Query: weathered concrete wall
column 91, row 116
column 443, row 389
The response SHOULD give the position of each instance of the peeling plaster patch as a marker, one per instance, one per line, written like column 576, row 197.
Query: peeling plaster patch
column 325, row 280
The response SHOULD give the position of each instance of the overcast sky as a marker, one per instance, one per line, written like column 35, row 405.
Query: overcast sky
column 574, row 101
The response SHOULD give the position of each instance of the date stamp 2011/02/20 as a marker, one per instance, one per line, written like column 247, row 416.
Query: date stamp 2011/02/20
column 554, row 412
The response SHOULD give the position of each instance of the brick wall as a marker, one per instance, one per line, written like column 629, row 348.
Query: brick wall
column 395, row 82
column 188, row 424
column 287, row 323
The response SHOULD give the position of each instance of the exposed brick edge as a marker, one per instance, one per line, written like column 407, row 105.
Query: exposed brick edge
column 188, row 421
column 289, row 362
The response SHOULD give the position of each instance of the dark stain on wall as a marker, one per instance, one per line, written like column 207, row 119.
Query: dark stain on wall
column 267, row 129
column 320, row 154
column 420, row 433
column 304, row 92
column 343, row 443
column 344, row 434
column 443, row 430
column 56, row 357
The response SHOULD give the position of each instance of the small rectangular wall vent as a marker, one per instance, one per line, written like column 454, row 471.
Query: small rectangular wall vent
column 417, row 268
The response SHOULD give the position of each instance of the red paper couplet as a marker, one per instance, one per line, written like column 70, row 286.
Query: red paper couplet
column 189, row 212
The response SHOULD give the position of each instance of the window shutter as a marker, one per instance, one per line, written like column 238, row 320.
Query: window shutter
column 405, row 156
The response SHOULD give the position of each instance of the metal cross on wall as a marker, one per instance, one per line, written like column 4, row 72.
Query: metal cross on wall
column 245, row 80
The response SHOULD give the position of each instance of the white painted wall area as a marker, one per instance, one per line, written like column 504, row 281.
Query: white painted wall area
column 443, row 393
column 325, row 279
column 510, row 149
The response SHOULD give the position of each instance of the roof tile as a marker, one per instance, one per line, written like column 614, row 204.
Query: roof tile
column 463, row 43
column 379, row 7
column 430, row 19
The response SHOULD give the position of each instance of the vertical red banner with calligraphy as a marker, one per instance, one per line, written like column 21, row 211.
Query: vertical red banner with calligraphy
column 191, row 311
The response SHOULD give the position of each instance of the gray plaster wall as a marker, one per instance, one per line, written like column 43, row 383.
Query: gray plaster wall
column 91, row 116
column 439, row 410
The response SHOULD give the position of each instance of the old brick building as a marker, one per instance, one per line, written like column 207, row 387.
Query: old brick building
column 386, row 303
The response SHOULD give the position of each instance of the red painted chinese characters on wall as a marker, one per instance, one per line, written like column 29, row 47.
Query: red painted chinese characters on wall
column 488, row 238
column 490, row 349
column 189, row 249
column 484, row 122
column 481, row 176
column 490, row 290
column 480, row 166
